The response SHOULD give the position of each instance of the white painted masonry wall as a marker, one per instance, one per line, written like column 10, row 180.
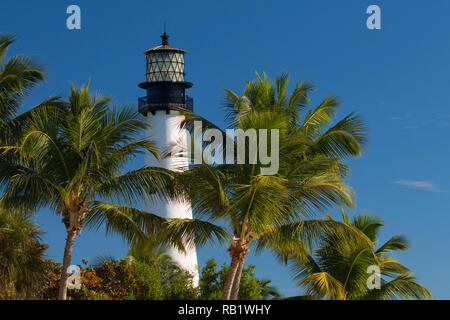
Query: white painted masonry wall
column 165, row 132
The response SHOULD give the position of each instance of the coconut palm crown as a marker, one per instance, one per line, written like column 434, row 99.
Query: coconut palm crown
column 269, row 211
column 18, row 75
column 71, row 157
column 341, row 269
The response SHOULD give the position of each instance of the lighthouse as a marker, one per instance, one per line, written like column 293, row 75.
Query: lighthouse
column 165, row 87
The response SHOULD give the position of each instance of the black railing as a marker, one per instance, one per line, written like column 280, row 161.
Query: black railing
column 142, row 102
column 145, row 105
column 189, row 103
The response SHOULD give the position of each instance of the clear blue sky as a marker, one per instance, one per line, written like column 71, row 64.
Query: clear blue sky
column 397, row 77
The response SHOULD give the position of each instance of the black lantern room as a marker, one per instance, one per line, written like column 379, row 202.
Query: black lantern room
column 165, row 83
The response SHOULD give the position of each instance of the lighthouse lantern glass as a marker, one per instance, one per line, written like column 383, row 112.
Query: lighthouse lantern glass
column 164, row 65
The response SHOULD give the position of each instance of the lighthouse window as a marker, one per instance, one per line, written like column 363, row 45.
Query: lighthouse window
column 165, row 66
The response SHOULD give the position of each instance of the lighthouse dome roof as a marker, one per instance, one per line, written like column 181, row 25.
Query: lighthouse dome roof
column 164, row 46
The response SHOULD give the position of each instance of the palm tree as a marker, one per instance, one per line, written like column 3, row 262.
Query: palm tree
column 21, row 254
column 269, row 291
column 70, row 159
column 270, row 210
column 20, row 249
column 18, row 75
column 151, row 252
column 341, row 269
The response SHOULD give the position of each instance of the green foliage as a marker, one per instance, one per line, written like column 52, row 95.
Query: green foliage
column 212, row 282
column 18, row 75
column 48, row 287
column 269, row 211
column 159, row 283
column 338, row 269
column 20, row 255
column 122, row 280
column 71, row 157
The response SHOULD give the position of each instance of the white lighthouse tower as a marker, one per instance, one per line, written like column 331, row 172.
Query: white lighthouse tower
column 165, row 88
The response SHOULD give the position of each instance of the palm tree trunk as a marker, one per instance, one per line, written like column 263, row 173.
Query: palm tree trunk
column 230, row 278
column 237, row 281
column 71, row 233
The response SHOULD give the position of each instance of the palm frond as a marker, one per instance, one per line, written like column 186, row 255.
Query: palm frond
column 144, row 183
column 323, row 284
column 397, row 242
column 132, row 224
column 190, row 232
column 402, row 287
